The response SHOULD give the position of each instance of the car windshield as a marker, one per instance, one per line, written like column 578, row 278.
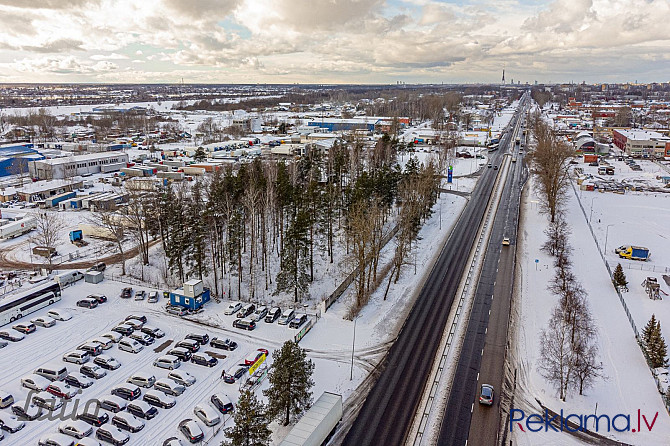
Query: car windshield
column 486, row 392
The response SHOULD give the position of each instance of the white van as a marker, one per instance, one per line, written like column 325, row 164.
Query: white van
column 286, row 317
column 53, row 372
column 65, row 279
column 129, row 345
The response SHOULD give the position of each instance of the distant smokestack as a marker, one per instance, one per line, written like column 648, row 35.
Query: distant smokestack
column 503, row 78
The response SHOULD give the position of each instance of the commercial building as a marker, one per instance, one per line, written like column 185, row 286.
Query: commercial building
column 41, row 190
column 641, row 143
column 68, row 167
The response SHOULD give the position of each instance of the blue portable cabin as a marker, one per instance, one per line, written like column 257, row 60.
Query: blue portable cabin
column 178, row 298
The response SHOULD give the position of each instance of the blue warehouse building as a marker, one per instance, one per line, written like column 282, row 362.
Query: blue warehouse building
column 334, row 125
column 14, row 158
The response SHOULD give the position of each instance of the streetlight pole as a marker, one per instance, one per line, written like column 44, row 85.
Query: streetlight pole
column 606, row 234
column 353, row 347
column 591, row 214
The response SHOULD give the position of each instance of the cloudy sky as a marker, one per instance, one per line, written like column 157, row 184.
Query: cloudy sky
column 334, row 41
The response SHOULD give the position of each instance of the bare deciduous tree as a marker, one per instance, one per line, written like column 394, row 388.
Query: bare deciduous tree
column 49, row 226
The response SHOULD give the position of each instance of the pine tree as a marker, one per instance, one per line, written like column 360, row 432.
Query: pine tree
column 654, row 343
column 251, row 423
column 619, row 277
column 290, row 383
column 200, row 155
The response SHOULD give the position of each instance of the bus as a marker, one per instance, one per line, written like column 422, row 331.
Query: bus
column 493, row 147
column 17, row 306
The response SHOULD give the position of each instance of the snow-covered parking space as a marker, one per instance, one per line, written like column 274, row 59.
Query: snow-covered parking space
column 48, row 345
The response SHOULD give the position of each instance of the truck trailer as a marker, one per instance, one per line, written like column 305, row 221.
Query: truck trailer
column 318, row 423
column 17, row 228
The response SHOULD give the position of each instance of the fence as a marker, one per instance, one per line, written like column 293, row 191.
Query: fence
column 132, row 280
column 623, row 303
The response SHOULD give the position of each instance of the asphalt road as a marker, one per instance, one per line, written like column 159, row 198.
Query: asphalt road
column 483, row 352
column 387, row 413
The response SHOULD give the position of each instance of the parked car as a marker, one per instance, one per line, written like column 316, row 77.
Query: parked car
column 225, row 344
column 54, row 439
column 204, row 359
column 62, row 390
column 43, row 321
column 189, row 344
column 24, row 327
column 167, row 362
column 173, row 441
column 99, row 267
column 10, row 423
column 76, row 379
column 92, row 348
column 233, row 308
column 127, row 422
column 77, row 357
column 6, row 399
column 142, row 409
column 239, row 373
column 142, row 338
column 169, row 387
column 140, row 295
column 142, row 379
column 183, row 354
column 35, row 382
column 222, row 403
column 87, row 303
column 59, row 315
column 47, row 401
column 124, row 329
column 127, row 293
column 75, row 428
column 138, row 317
column 246, row 310
column 273, row 315
column 92, row 371
column 200, row 338
column 26, row 411
column 100, row 298
column 112, row 403
column 259, row 314
column 107, row 362
column 112, row 336
column 245, row 324
column 182, row 377
column 486, row 395
column 255, row 356
column 127, row 391
column 298, row 320
column 159, row 399
column 153, row 297
column 191, row 430
column 104, row 343
column 92, row 416
column 135, row 323
column 286, row 317
column 112, row 435
column 207, row 414
column 152, row 331
column 176, row 310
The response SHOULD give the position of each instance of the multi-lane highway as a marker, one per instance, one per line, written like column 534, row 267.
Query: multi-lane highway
column 388, row 411
column 483, row 351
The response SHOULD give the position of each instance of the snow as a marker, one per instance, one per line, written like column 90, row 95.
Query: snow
column 628, row 385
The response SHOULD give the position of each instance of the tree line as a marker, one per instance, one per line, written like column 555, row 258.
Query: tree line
column 265, row 224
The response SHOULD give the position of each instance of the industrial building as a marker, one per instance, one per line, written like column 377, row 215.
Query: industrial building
column 68, row 167
column 641, row 143
column 41, row 190
column 14, row 158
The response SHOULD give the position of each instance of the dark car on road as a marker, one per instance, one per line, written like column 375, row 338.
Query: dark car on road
column 100, row 298
column 244, row 324
column 486, row 395
column 87, row 303
column 239, row 372
column 127, row 293
column 201, row 338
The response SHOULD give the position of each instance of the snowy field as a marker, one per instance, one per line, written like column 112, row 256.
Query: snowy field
column 628, row 385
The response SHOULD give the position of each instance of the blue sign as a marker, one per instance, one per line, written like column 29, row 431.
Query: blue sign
column 537, row 260
column 450, row 173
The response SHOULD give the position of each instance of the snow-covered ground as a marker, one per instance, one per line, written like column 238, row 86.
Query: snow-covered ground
column 628, row 385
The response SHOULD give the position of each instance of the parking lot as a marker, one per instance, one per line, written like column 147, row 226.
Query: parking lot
column 48, row 345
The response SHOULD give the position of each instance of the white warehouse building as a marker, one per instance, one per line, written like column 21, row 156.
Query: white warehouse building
column 70, row 166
